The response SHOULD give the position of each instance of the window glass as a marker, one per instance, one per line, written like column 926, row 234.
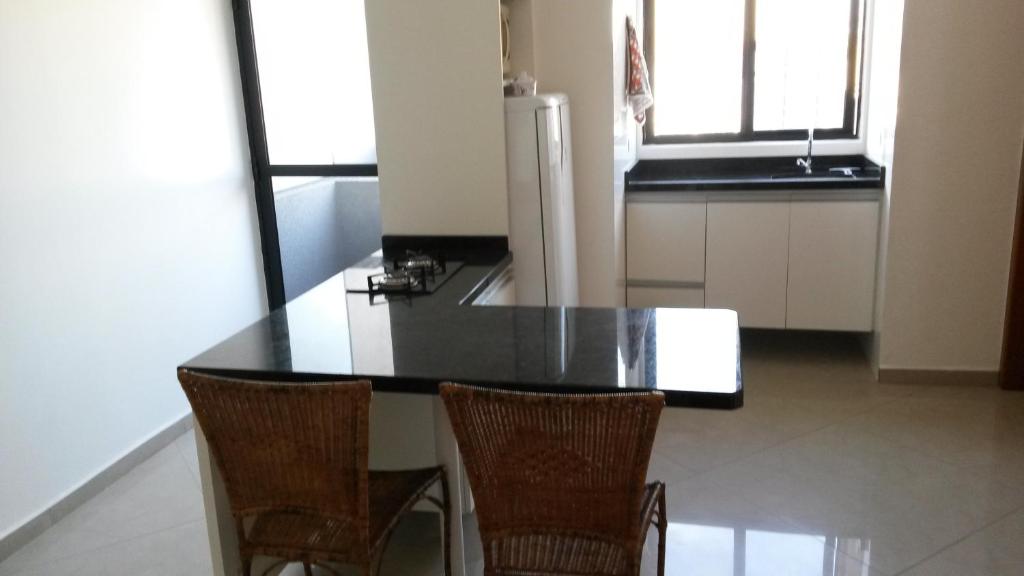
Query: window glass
column 698, row 49
column 315, row 81
column 723, row 74
column 800, row 65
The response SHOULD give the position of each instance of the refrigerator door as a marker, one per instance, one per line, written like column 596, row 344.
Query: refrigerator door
column 526, row 237
column 565, row 217
column 542, row 222
column 558, row 205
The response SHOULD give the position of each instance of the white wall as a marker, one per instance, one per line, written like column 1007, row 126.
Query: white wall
column 573, row 54
column 435, row 68
column 954, row 188
column 883, row 47
column 127, row 228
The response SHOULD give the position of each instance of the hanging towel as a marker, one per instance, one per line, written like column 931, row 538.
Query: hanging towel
column 638, row 84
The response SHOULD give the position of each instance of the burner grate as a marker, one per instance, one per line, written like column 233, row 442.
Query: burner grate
column 419, row 260
column 411, row 273
column 397, row 281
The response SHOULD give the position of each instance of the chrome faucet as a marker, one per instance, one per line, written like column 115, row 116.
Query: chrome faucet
column 806, row 162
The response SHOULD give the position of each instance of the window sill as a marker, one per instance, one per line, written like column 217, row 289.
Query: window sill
column 750, row 149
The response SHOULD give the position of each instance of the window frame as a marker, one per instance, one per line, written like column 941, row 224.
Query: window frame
column 262, row 169
column 853, row 98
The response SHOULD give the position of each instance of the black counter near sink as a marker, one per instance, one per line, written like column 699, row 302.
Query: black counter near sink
column 763, row 173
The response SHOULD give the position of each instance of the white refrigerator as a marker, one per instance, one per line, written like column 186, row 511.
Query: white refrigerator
column 541, row 207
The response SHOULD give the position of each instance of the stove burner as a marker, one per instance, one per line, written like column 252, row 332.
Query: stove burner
column 433, row 264
column 396, row 281
column 410, row 273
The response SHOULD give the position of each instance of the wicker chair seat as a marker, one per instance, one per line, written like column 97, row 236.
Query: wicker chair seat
column 391, row 494
column 566, row 554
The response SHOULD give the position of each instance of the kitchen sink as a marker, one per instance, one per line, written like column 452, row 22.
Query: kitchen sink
column 829, row 174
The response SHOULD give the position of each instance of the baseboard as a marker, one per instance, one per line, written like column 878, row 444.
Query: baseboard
column 22, row 535
column 966, row 378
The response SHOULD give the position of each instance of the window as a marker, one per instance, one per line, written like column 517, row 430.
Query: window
column 304, row 66
column 314, row 77
column 752, row 70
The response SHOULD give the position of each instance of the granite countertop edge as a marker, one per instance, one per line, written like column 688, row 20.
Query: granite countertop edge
column 750, row 174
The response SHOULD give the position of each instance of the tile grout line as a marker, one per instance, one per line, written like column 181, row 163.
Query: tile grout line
column 184, row 458
column 783, row 442
column 796, row 525
column 115, row 541
column 106, row 546
column 91, row 487
column 917, row 450
column 960, row 540
column 906, row 447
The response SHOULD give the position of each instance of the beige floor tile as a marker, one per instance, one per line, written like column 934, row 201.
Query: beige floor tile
column 414, row 550
column 663, row 469
column 843, row 482
column 714, row 530
column 700, row 440
column 179, row 551
column 996, row 550
column 186, row 444
column 158, row 494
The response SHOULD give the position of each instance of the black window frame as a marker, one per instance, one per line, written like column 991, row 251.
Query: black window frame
column 262, row 169
column 853, row 98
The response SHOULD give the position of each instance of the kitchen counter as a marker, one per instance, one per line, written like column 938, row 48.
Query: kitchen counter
column 410, row 344
column 755, row 174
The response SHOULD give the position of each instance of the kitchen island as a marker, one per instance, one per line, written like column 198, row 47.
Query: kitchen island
column 409, row 344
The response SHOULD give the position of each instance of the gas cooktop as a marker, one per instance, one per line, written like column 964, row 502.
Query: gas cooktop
column 414, row 272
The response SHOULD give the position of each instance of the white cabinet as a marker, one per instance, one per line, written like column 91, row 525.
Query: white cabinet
column 665, row 241
column 664, row 297
column 747, row 260
column 832, row 253
column 801, row 260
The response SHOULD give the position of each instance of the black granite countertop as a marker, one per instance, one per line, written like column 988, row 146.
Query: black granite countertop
column 781, row 173
column 410, row 344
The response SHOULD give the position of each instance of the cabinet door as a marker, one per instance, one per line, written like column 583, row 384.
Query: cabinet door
column 832, row 253
column 665, row 241
column 668, row 297
column 747, row 254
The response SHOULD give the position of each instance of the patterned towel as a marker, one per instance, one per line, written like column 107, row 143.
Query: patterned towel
column 638, row 87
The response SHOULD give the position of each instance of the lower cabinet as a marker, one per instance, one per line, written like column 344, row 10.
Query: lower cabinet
column 747, row 255
column 664, row 297
column 832, row 253
column 801, row 261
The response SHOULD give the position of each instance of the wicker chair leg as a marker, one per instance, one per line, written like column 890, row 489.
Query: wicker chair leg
column 307, row 569
column 247, row 566
column 662, row 532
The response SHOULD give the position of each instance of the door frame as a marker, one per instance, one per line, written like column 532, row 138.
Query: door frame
column 1011, row 367
column 262, row 170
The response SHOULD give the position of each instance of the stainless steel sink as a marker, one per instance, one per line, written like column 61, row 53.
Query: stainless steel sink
column 830, row 174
